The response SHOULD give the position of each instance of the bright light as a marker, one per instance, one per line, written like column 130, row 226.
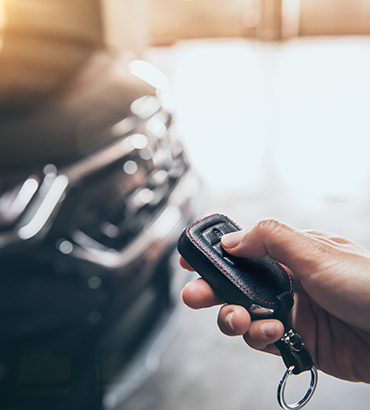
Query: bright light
column 148, row 73
column 139, row 141
column 2, row 14
column 2, row 21
column 46, row 208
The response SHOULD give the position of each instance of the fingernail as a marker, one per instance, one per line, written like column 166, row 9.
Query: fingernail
column 269, row 329
column 228, row 321
column 231, row 240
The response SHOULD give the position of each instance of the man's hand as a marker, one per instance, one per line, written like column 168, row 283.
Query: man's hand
column 332, row 296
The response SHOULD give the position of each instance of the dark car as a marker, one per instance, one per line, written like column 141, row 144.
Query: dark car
column 95, row 189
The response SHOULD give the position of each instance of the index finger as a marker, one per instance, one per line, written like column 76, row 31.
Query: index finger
column 184, row 264
column 198, row 294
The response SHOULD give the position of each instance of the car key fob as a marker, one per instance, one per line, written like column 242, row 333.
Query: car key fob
column 262, row 286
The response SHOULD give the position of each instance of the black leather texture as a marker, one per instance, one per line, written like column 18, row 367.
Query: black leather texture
column 252, row 283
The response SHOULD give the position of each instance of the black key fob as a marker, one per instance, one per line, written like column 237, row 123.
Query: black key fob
column 262, row 286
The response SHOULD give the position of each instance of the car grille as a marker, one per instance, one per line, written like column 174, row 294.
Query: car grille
column 123, row 197
column 87, row 248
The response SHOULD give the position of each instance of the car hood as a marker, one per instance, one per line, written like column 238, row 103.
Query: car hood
column 71, row 121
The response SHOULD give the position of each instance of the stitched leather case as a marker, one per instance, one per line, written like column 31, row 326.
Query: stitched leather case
column 252, row 283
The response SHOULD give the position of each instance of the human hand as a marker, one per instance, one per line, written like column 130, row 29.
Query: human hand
column 332, row 296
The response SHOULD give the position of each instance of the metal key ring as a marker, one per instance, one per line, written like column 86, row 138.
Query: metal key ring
column 306, row 398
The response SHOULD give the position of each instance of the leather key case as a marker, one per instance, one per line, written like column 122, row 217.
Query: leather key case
column 262, row 286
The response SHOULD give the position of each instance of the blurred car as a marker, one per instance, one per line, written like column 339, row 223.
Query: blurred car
column 95, row 188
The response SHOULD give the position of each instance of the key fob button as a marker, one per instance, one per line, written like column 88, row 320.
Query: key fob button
column 262, row 286
column 213, row 235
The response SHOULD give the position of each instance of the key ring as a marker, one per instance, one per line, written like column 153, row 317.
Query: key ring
column 306, row 398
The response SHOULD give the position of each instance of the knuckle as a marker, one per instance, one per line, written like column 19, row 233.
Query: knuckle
column 273, row 233
column 269, row 225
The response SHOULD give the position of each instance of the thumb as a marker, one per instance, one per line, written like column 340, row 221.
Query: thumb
column 296, row 249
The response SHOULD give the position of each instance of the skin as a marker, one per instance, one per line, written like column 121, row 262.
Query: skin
column 332, row 296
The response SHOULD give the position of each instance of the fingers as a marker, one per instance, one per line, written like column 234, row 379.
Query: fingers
column 260, row 334
column 267, row 237
column 298, row 250
column 184, row 264
column 233, row 320
column 197, row 294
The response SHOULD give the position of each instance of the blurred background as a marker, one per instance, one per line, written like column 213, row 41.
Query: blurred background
column 271, row 101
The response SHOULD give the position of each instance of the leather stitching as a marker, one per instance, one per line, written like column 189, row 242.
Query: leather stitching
column 224, row 270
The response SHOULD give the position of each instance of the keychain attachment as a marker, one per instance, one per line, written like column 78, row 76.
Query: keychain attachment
column 298, row 360
column 306, row 398
column 262, row 286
